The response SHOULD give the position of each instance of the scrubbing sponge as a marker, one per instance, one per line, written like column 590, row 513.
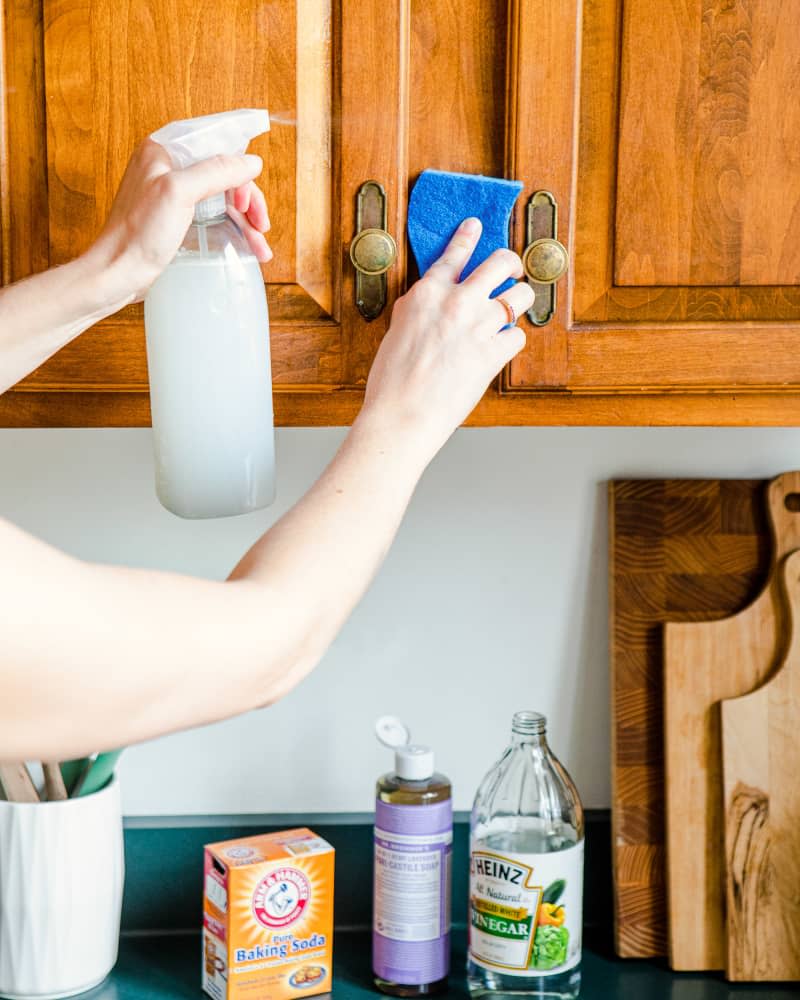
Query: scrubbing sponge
column 439, row 203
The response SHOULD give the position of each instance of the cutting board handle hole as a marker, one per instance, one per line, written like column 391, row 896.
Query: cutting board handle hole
column 792, row 502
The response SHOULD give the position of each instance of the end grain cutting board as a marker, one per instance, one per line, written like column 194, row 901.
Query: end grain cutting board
column 705, row 663
column 680, row 549
column 761, row 766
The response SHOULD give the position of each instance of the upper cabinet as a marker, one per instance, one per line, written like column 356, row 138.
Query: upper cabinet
column 666, row 132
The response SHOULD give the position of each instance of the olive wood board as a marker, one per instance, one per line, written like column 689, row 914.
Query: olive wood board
column 760, row 766
column 691, row 550
column 705, row 663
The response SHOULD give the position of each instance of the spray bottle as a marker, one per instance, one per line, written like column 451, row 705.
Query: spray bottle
column 413, row 845
column 208, row 354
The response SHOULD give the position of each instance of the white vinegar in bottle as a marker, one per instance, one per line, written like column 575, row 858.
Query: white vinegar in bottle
column 526, row 873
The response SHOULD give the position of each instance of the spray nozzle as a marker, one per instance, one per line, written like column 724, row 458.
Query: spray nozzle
column 194, row 139
column 413, row 762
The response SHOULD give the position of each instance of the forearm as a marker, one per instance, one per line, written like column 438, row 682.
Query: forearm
column 325, row 551
column 93, row 657
column 41, row 314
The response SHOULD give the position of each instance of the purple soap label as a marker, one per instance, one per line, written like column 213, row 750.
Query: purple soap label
column 411, row 921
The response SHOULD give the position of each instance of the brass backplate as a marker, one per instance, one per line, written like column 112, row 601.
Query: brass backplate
column 373, row 250
column 545, row 259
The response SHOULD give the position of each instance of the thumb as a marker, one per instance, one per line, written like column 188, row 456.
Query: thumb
column 218, row 174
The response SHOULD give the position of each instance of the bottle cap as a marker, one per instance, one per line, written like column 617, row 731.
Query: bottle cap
column 415, row 763
column 412, row 762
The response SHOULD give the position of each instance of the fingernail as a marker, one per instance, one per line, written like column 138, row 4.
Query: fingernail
column 471, row 226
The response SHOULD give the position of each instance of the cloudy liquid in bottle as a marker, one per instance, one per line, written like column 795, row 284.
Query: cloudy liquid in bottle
column 208, row 358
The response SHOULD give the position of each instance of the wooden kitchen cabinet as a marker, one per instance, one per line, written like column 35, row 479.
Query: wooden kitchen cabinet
column 669, row 134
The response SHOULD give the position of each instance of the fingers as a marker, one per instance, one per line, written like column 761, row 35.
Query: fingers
column 217, row 174
column 261, row 249
column 255, row 239
column 249, row 200
column 257, row 213
column 459, row 250
column 497, row 268
column 520, row 297
column 507, row 345
column 240, row 197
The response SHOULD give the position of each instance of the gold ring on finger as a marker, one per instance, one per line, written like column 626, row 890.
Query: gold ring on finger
column 511, row 314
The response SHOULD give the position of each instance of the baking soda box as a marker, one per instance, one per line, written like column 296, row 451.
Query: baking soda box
column 268, row 917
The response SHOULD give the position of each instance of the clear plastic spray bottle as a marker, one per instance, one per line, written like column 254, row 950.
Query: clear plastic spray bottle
column 208, row 353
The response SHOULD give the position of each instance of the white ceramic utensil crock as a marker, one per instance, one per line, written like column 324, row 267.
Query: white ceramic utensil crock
column 61, row 875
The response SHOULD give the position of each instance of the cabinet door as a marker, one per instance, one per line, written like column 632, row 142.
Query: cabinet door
column 85, row 80
column 670, row 133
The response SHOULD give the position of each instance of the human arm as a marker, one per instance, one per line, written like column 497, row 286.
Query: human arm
column 93, row 657
column 150, row 215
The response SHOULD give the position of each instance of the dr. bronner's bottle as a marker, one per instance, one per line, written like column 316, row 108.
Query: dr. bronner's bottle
column 413, row 843
column 526, row 873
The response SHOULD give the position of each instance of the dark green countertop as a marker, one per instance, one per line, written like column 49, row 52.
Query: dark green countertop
column 167, row 967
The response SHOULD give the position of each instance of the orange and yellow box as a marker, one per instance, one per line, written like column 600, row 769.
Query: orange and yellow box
column 268, row 917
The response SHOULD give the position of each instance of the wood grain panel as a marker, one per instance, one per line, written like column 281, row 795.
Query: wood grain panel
column 716, row 306
column 698, row 335
column 249, row 54
column 326, row 405
column 318, row 263
column 708, row 191
column 704, row 663
column 543, row 50
column 116, row 71
column 23, row 158
column 306, row 349
column 465, row 58
column 684, row 357
column 653, row 525
column 374, row 146
column 760, row 765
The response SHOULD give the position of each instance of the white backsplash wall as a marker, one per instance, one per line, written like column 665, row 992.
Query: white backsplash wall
column 493, row 598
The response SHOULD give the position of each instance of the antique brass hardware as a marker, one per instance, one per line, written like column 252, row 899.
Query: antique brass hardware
column 545, row 259
column 373, row 250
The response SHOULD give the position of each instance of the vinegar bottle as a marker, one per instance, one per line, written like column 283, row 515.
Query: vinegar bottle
column 413, row 845
column 526, row 873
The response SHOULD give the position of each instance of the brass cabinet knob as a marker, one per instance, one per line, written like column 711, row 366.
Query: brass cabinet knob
column 373, row 251
column 545, row 261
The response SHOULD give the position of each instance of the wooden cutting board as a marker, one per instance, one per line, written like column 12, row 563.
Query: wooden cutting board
column 761, row 768
column 679, row 549
column 703, row 664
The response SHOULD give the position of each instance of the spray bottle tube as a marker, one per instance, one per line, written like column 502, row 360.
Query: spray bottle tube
column 208, row 351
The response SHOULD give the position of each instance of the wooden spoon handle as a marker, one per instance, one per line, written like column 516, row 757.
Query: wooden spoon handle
column 17, row 783
column 53, row 783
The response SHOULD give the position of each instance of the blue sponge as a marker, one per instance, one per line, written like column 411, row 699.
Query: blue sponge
column 440, row 202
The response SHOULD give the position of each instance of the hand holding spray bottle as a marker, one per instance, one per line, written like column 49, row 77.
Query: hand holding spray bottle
column 208, row 353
